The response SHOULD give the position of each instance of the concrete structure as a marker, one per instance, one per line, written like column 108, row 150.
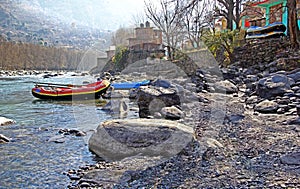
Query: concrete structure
column 144, row 36
column 111, row 52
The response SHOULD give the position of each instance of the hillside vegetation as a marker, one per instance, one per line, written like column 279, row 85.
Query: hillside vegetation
column 29, row 56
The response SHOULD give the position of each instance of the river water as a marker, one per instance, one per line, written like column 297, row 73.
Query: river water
column 31, row 160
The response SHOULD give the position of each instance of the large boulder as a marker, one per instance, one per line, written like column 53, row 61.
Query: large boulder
column 272, row 86
column 115, row 140
column 152, row 99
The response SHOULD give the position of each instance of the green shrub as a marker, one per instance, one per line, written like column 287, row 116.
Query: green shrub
column 223, row 42
column 120, row 51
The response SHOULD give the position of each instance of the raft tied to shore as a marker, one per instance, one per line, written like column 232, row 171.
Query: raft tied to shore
column 54, row 91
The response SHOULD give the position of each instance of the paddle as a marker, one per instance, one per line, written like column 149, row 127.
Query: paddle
column 57, row 85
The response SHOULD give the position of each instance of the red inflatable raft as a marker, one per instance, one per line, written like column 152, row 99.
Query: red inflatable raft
column 70, row 92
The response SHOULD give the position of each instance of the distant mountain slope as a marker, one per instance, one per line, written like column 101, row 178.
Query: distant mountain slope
column 104, row 14
column 34, row 21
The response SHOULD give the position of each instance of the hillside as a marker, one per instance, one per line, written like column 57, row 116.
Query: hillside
column 28, row 21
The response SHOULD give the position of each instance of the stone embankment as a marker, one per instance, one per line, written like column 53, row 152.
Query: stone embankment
column 261, row 52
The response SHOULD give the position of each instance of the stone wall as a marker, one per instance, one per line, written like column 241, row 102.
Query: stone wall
column 261, row 51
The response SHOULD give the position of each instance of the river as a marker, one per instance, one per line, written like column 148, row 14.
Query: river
column 30, row 160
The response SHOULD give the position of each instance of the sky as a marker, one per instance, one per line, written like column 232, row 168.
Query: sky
column 124, row 10
column 106, row 14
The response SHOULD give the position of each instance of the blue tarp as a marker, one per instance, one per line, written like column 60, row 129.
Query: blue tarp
column 130, row 85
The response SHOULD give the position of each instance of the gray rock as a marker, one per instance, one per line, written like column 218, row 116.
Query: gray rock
column 57, row 139
column 291, row 159
column 118, row 139
column 295, row 121
column 235, row 118
column 132, row 93
column 117, row 107
column 172, row 113
column 225, row 87
column 152, row 99
column 266, row 106
column 272, row 86
column 295, row 76
column 252, row 100
column 74, row 132
column 296, row 88
column 161, row 83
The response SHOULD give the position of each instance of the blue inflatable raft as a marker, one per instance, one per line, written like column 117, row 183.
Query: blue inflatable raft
column 129, row 85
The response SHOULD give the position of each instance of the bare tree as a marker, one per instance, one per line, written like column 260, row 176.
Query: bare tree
column 120, row 37
column 138, row 18
column 166, row 17
column 292, row 23
column 230, row 10
column 197, row 15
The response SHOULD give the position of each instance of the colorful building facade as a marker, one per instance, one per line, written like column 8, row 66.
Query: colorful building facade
column 267, row 12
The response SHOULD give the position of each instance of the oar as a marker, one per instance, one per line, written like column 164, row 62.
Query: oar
column 57, row 85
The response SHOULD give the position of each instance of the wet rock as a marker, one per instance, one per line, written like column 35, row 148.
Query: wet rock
column 74, row 177
column 4, row 139
column 6, row 121
column 74, row 132
column 266, row 106
column 117, row 107
column 272, row 86
column 57, row 139
column 118, row 139
column 291, row 159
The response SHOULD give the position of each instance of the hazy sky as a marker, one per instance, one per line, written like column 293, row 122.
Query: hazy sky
column 125, row 9
column 106, row 14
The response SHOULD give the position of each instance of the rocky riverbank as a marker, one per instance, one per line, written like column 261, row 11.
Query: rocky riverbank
column 245, row 133
column 244, row 120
